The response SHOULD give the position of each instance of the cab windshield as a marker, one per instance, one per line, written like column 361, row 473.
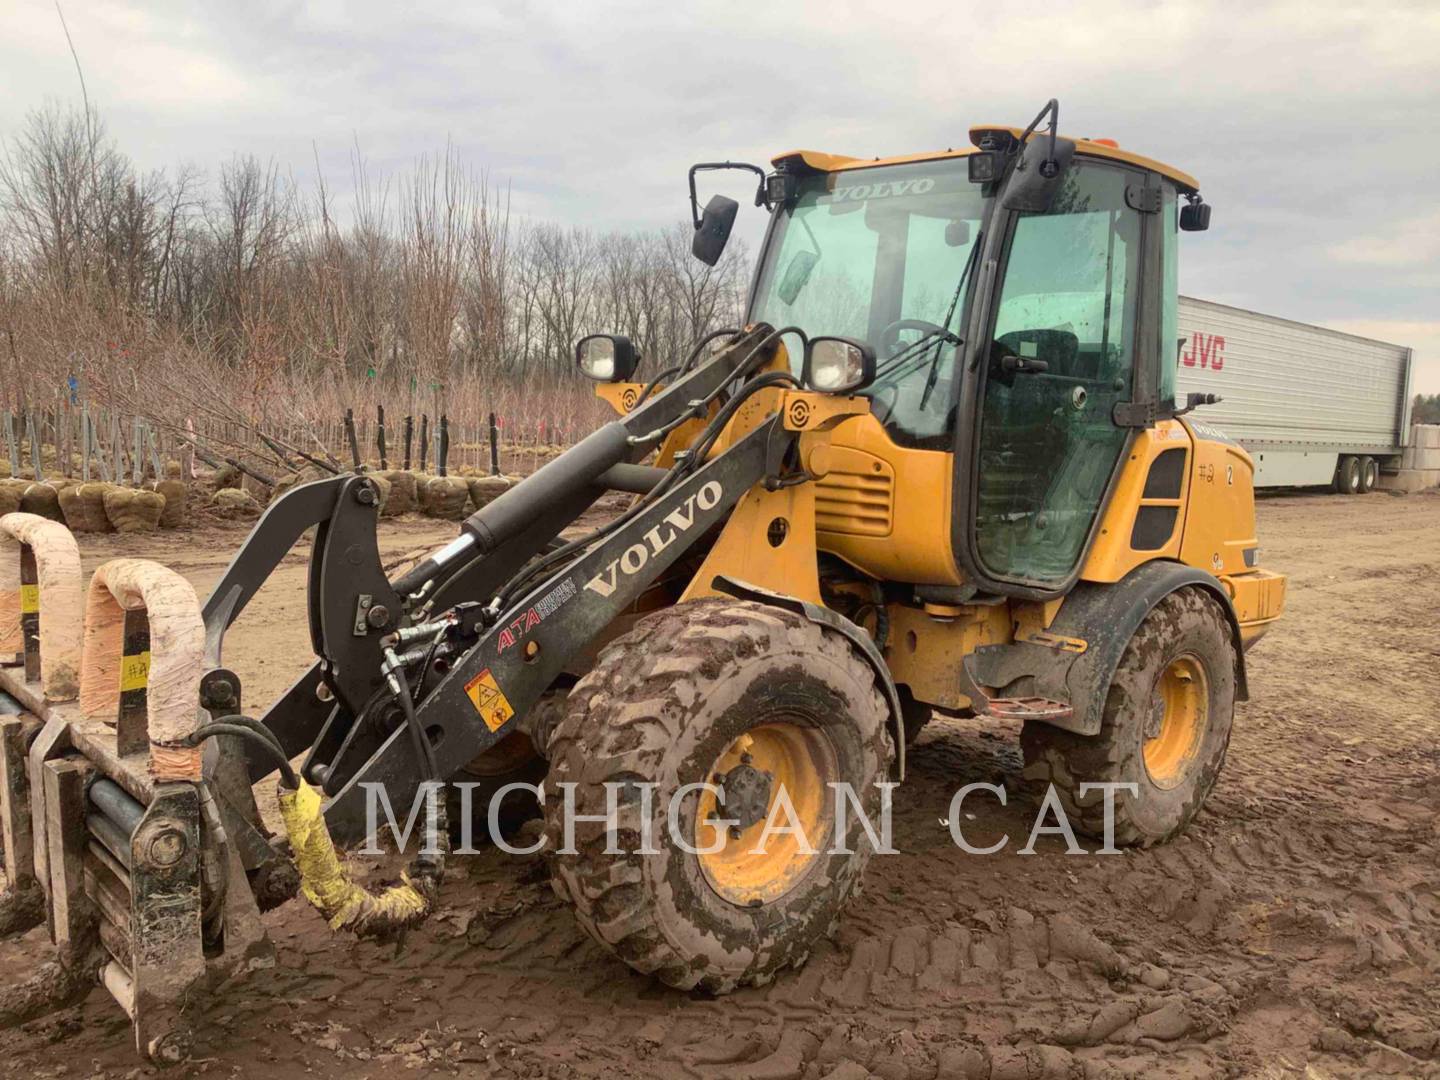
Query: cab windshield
column 882, row 255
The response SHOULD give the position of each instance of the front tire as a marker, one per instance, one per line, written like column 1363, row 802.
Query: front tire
column 1165, row 727
column 728, row 692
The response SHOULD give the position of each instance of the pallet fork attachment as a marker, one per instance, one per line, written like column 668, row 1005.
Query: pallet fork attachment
column 112, row 838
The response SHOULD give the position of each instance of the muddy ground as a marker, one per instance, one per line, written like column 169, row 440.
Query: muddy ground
column 1294, row 931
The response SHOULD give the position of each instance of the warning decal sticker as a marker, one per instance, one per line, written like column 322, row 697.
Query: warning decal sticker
column 489, row 700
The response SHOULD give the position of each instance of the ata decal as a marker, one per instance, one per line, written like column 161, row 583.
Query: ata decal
column 534, row 615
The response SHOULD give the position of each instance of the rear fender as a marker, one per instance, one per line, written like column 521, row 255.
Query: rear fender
column 831, row 620
column 1105, row 617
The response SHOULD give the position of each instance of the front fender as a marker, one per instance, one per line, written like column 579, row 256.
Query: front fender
column 1105, row 616
column 832, row 620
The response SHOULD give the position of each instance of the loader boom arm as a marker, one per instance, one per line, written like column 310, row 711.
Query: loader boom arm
column 503, row 675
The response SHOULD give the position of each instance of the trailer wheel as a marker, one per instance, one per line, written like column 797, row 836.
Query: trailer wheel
column 1347, row 475
column 754, row 701
column 1369, row 474
column 1165, row 728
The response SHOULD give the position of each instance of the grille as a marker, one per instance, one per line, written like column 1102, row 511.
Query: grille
column 852, row 502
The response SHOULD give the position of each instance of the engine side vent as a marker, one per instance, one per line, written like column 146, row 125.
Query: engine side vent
column 857, row 496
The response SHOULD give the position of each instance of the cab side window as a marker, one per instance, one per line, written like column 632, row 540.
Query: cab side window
column 1061, row 356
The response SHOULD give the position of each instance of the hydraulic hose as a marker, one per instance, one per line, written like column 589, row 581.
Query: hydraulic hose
column 344, row 903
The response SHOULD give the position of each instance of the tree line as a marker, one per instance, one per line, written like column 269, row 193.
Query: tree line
column 245, row 295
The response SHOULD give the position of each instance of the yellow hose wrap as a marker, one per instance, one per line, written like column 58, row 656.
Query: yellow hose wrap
column 344, row 904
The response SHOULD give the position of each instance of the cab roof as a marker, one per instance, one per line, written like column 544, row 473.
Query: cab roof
column 1101, row 148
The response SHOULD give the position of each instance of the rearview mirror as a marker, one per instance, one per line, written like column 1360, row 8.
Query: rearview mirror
column 713, row 232
column 797, row 273
column 606, row 357
column 1037, row 175
column 837, row 365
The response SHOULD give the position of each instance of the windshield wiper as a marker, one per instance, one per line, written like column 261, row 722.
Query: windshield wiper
column 909, row 351
column 934, row 374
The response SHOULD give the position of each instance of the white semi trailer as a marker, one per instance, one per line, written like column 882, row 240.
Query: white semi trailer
column 1312, row 406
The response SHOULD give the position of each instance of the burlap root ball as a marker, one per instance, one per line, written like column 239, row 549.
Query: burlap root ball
column 226, row 476
column 232, row 502
column 444, row 497
column 486, row 489
column 11, row 492
column 84, row 507
column 299, row 476
column 382, row 489
column 43, row 500
column 404, row 492
column 132, row 511
column 175, row 513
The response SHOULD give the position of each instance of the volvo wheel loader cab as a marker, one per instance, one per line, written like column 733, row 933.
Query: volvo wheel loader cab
column 940, row 469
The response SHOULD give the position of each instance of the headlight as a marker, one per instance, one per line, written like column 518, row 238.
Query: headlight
column 606, row 357
column 836, row 365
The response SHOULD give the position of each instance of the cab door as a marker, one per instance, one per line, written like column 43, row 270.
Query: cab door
column 1059, row 354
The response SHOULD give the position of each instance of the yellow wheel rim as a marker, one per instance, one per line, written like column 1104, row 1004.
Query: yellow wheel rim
column 1182, row 706
column 774, row 761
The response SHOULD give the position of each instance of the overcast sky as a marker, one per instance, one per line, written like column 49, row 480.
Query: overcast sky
column 1312, row 126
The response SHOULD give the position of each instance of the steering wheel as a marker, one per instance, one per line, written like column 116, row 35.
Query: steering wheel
column 890, row 336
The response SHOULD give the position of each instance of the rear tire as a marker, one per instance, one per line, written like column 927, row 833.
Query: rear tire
column 676, row 701
column 1369, row 474
column 1347, row 475
column 1165, row 728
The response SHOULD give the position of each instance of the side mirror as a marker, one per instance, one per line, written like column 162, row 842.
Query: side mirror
column 1195, row 216
column 606, row 357
column 837, row 365
column 797, row 272
column 1038, row 174
column 713, row 231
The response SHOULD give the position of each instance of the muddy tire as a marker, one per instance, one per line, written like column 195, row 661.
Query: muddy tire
column 512, row 760
column 741, row 691
column 1165, row 728
column 1347, row 475
column 1369, row 474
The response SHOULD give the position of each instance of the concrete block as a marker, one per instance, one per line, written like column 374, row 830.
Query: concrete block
column 1409, row 480
column 1420, row 457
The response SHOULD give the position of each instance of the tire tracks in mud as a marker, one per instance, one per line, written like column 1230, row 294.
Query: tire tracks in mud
column 1294, row 927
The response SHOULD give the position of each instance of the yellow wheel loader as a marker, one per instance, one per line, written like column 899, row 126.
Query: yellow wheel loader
column 940, row 470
